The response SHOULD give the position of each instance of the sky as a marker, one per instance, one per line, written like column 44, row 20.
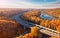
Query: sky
column 29, row 3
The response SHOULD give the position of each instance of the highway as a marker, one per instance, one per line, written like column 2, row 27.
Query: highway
column 42, row 29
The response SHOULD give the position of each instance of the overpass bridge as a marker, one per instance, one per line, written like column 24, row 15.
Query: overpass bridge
column 47, row 31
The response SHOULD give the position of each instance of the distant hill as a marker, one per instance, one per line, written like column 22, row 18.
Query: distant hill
column 10, row 11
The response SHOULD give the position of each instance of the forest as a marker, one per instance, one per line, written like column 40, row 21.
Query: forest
column 33, row 16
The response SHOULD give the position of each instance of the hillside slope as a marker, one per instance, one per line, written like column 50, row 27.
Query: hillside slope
column 9, row 28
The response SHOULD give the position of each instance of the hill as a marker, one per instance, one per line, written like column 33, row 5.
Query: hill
column 9, row 28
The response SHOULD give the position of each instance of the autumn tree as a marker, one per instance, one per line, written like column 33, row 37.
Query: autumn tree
column 33, row 34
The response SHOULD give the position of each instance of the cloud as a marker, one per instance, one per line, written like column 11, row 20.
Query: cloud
column 53, row 5
column 15, row 4
column 25, row 4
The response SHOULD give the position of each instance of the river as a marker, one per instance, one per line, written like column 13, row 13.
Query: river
column 22, row 22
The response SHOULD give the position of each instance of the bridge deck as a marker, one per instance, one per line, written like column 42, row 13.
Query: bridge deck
column 47, row 31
